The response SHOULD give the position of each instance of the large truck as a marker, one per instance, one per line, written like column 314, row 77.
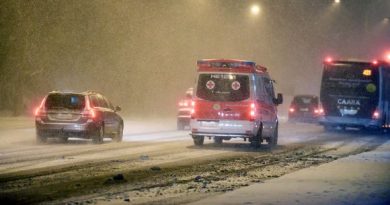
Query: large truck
column 355, row 94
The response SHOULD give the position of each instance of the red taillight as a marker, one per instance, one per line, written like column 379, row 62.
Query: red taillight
column 39, row 111
column 375, row 115
column 184, row 103
column 320, row 110
column 89, row 112
column 92, row 113
column 291, row 109
column 328, row 60
column 375, row 62
column 192, row 109
column 252, row 112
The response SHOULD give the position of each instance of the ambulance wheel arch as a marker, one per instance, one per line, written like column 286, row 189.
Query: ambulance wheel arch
column 258, row 137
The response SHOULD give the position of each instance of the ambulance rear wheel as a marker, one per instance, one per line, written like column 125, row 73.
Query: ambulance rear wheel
column 218, row 140
column 198, row 140
column 257, row 139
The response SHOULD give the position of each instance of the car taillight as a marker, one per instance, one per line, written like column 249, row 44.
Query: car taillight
column 328, row 59
column 37, row 111
column 40, row 111
column 318, row 111
column 291, row 109
column 184, row 103
column 252, row 112
column 88, row 112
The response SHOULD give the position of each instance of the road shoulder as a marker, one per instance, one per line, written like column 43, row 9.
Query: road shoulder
column 357, row 179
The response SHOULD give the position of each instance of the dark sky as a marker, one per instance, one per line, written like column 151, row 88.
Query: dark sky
column 142, row 53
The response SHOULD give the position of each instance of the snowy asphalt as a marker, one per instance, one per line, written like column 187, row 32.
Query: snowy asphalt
column 357, row 179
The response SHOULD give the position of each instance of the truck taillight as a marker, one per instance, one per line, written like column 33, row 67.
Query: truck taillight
column 375, row 115
column 320, row 110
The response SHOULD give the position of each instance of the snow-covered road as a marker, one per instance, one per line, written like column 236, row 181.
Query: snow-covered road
column 154, row 154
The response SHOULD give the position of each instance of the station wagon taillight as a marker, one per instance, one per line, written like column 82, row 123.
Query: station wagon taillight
column 88, row 112
column 40, row 111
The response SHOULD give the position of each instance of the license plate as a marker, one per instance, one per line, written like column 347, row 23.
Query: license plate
column 304, row 109
column 64, row 116
column 209, row 124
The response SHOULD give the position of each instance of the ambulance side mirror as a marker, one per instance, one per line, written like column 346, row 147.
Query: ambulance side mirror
column 279, row 99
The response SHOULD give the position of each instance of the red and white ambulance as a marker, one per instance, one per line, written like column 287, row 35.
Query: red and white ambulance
column 234, row 98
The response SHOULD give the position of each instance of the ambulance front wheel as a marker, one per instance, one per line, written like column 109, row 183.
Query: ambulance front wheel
column 198, row 140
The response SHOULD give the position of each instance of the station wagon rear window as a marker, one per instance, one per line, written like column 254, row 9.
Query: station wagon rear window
column 223, row 87
column 65, row 101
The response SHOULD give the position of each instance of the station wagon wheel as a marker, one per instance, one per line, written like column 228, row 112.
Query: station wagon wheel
column 63, row 139
column 198, row 140
column 99, row 135
column 40, row 139
column 119, row 134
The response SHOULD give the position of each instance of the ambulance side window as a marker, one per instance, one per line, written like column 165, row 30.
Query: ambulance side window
column 269, row 88
column 260, row 90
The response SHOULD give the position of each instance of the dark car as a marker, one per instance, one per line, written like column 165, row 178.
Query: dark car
column 84, row 115
column 304, row 108
column 184, row 110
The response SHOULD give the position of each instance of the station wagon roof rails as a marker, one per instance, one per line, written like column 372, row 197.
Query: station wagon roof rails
column 91, row 92
column 63, row 91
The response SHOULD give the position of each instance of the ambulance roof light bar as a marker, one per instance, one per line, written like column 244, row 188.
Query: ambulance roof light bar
column 225, row 63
